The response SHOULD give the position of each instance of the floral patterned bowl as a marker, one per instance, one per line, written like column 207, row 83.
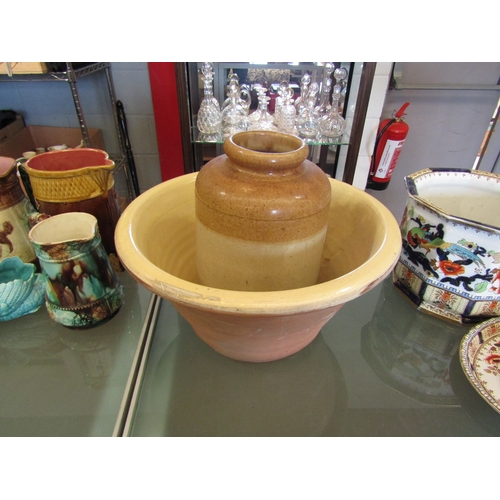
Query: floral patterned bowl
column 22, row 290
column 450, row 263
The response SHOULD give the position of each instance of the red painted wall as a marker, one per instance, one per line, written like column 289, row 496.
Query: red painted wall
column 166, row 111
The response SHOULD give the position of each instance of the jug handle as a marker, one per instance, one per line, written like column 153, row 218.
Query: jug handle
column 25, row 183
column 33, row 215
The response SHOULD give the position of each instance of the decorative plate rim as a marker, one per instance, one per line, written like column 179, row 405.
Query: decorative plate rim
column 467, row 363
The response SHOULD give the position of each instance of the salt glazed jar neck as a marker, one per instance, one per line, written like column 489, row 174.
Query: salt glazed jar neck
column 266, row 152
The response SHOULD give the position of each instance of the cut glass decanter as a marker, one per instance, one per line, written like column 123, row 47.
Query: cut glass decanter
column 209, row 118
column 308, row 117
column 332, row 125
column 261, row 119
column 234, row 115
column 287, row 114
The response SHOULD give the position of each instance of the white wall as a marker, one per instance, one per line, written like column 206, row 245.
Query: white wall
column 132, row 87
column 447, row 128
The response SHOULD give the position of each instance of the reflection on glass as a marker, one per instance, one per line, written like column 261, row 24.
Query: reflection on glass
column 326, row 87
column 411, row 351
column 194, row 391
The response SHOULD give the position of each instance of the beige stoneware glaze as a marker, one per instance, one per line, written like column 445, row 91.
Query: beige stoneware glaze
column 261, row 214
column 155, row 240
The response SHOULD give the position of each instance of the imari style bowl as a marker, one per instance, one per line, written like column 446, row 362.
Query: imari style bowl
column 450, row 261
column 155, row 240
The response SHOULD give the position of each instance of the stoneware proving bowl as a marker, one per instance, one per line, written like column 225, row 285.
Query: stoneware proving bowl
column 155, row 240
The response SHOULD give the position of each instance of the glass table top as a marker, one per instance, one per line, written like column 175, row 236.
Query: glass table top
column 378, row 368
column 55, row 381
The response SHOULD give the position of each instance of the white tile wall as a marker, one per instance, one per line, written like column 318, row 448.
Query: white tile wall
column 132, row 87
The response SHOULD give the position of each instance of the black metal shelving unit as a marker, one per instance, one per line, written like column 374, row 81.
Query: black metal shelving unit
column 71, row 76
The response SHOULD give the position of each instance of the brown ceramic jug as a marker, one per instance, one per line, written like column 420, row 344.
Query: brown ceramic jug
column 77, row 180
column 261, row 214
column 14, row 211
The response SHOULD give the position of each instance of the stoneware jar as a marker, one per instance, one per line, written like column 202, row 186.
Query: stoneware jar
column 83, row 290
column 14, row 210
column 261, row 214
column 77, row 180
column 450, row 260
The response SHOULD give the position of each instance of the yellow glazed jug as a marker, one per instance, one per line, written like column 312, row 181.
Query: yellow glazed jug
column 77, row 180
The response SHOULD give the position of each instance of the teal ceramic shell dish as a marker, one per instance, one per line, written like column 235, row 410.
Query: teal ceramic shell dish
column 22, row 290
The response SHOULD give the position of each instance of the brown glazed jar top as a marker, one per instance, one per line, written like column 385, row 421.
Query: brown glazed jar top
column 263, row 176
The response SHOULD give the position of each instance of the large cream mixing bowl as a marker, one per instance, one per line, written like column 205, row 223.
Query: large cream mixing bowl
column 155, row 240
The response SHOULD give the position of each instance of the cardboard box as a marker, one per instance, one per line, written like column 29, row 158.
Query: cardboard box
column 12, row 129
column 24, row 67
column 36, row 136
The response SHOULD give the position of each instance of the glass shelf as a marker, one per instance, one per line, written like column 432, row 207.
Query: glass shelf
column 378, row 368
column 62, row 382
column 198, row 138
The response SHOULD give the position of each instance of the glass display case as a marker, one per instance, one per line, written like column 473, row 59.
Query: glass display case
column 326, row 152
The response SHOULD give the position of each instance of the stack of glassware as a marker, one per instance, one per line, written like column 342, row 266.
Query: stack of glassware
column 315, row 115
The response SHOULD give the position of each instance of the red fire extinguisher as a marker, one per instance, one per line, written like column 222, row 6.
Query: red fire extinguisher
column 388, row 145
